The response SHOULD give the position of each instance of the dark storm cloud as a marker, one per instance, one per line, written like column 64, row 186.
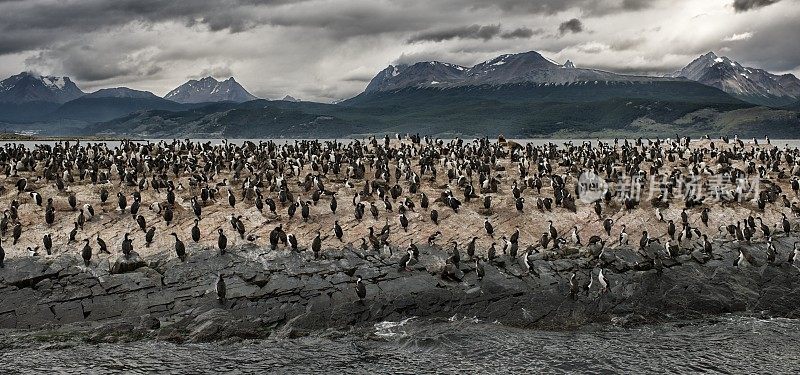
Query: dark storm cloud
column 588, row 7
column 89, row 64
column 745, row 5
column 572, row 26
column 484, row 32
column 366, row 77
column 632, row 5
column 53, row 20
column 521, row 33
column 773, row 47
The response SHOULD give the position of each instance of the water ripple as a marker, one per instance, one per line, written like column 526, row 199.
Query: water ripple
column 729, row 345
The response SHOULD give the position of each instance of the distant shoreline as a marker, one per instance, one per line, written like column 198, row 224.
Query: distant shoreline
column 25, row 137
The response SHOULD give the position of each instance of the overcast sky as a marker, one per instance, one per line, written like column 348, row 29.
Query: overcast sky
column 325, row 50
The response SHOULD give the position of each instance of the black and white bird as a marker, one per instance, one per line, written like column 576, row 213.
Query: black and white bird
column 316, row 245
column 405, row 260
column 552, row 230
column 794, row 256
column 574, row 287
column 607, row 226
column 576, row 238
column 603, row 281
column 231, row 199
column 361, row 289
column 37, row 198
column 433, row 237
column 623, row 236
column 337, row 230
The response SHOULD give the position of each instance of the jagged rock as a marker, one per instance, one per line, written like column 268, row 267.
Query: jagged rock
column 177, row 299
column 125, row 264
column 150, row 322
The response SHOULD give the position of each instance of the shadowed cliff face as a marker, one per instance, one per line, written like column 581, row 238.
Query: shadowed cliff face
column 278, row 292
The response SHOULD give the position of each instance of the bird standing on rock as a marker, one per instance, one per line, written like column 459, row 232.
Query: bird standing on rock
column 16, row 233
column 316, row 245
column 127, row 246
column 405, row 260
column 122, row 202
column 196, row 231
column 488, row 227
column 47, row 241
column 601, row 278
column 361, row 289
column 101, row 244
column 221, row 289
column 337, row 230
column 794, row 256
column 86, row 253
column 180, row 248
column 2, row 255
column 222, row 241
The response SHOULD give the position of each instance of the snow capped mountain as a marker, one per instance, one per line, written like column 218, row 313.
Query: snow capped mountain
column 27, row 87
column 419, row 74
column 122, row 92
column 751, row 84
column 527, row 67
column 210, row 90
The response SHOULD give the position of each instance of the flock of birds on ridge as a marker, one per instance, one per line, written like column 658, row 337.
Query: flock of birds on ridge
column 251, row 174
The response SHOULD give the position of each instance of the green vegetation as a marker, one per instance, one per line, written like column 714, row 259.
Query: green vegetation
column 520, row 111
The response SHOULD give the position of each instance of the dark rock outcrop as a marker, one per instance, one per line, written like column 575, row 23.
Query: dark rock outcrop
column 291, row 293
column 130, row 263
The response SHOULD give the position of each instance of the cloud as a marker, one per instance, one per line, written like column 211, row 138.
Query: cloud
column 745, row 5
column 592, row 47
column 219, row 72
column 633, row 5
column 627, row 44
column 328, row 49
column 485, row 32
column 572, row 26
column 521, row 33
column 550, row 7
column 736, row 37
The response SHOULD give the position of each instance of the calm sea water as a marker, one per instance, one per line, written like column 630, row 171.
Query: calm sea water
column 536, row 141
column 727, row 345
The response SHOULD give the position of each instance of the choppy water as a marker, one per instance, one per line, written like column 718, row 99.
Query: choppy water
column 735, row 345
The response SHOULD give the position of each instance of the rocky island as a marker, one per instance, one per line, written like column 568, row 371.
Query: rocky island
column 492, row 258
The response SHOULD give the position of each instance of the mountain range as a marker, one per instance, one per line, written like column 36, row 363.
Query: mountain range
column 520, row 95
column 28, row 87
column 747, row 83
column 528, row 67
column 27, row 97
